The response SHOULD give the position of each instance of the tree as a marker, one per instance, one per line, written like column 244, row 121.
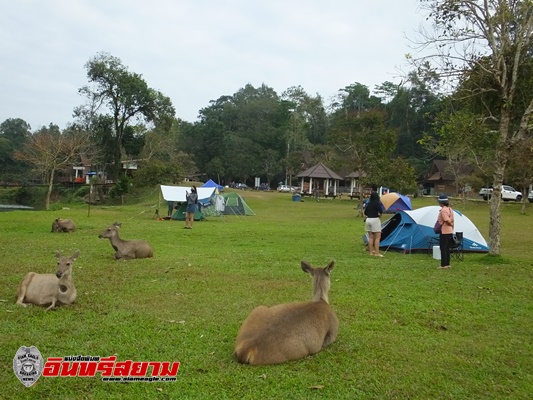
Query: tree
column 463, row 140
column 239, row 130
column 411, row 111
column 127, row 98
column 365, row 142
column 355, row 98
column 521, row 168
column 400, row 176
column 491, row 40
column 49, row 151
column 14, row 132
column 305, row 121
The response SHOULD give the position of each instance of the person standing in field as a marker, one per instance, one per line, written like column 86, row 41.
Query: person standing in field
column 192, row 201
column 445, row 219
column 373, row 211
column 170, row 210
column 316, row 193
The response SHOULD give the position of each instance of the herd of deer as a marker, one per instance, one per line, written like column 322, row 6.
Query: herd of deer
column 269, row 335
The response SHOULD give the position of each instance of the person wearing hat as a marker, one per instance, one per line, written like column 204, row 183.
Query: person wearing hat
column 446, row 221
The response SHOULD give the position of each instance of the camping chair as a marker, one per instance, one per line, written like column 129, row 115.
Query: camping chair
column 432, row 241
column 456, row 246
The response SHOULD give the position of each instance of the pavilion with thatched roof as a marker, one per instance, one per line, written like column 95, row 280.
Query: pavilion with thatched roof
column 321, row 178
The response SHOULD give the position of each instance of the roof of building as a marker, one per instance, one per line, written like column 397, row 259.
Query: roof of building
column 319, row 171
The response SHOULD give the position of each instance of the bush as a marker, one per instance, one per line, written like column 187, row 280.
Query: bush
column 157, row 172
column 82, row 191
column 24, row 196
column 120, row 188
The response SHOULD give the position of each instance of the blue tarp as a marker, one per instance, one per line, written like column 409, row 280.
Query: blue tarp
column 211, row 183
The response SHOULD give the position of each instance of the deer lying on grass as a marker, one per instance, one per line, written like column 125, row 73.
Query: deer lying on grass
column 63, row 225
column 126, row 248
column 272, row 335
column 42, row 289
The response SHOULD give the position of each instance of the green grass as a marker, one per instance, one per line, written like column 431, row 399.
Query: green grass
column 407, row 329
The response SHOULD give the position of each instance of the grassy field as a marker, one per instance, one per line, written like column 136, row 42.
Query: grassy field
column 407, row 329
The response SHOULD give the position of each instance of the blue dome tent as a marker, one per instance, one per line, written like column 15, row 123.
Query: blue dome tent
column 412, row 230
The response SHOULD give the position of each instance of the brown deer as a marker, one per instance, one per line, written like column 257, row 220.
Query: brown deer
column 126, row 248
column 284, row 332
column 42, row 289
column 63, row 225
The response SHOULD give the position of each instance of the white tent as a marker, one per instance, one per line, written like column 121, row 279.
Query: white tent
column 426, row 216
column 177, row 193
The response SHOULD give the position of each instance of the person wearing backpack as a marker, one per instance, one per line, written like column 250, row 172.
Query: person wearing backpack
column 446, row 221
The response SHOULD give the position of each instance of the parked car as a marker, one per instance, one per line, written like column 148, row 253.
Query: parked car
column 242, row 186
column 486, row 193
column 286, row 188
column 509, row 193
column 530, row 196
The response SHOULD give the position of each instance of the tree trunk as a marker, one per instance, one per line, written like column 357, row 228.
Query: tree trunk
column 116, row 162
column 494, row 218
column 500, row 162
column 360, row 206
column 49, row 193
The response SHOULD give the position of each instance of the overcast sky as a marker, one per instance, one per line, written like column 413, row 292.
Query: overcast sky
column 194, row 51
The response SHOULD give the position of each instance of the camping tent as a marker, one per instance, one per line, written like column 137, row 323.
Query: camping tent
column 211, row 183
column 177, row 193
column 395, row 202
column 234, row 204
column 179, row 214
column 413, row 230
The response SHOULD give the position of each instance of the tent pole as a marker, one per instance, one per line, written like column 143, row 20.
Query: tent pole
column 159, row 199
column 395, row 236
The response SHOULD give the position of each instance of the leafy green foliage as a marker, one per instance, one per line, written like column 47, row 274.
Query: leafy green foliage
column 14, row 132
column 24, row 195
column 157, row 172
column 121, row 187
column 364, row 140
column 123, row 97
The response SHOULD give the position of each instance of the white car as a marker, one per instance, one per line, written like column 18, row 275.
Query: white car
column 284, row 188
column 530, row 196
column 509, row 193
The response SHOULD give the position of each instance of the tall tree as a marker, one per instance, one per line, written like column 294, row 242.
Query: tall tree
column 490, row 38
column 49, row 151
column 240, row 130
column 305, row 122
column 126, row 98
column 14, row 132
column 355, row 98
column 365, row 141
column 412, row 107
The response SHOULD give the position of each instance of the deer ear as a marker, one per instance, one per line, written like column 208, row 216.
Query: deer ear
column 306, row 267
column 330, row 266
column 75, row 255
column 58, row 254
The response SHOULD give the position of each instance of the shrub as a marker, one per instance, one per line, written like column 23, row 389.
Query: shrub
column 157, row 172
